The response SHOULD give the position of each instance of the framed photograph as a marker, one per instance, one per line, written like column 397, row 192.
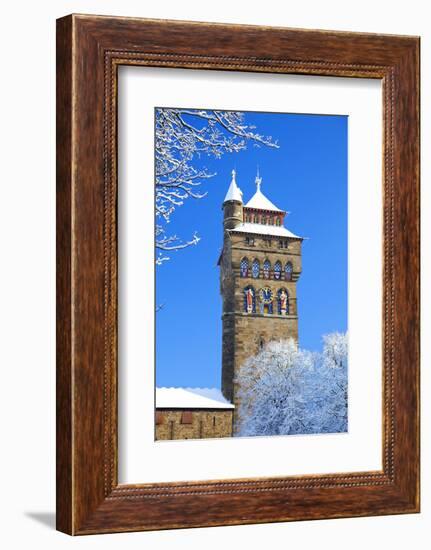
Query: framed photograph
column 237, row 274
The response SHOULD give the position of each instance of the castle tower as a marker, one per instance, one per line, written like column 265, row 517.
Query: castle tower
column 259, row 266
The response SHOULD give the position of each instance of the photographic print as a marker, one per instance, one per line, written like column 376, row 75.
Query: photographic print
column 237, row 274
column 251, row 273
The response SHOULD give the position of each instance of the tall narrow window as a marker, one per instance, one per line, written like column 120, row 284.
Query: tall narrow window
column 283, row 302
column 249, row 300
column 277, row 270
column 187, row 417
column 278, row 222
column 244, row 267
column 288, row 271
column 266, row 269
column 255, row 269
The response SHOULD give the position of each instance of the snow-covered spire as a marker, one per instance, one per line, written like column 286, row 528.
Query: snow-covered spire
column 234, row 193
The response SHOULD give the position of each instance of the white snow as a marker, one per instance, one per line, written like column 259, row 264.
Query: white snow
column 191, row 398
column 234, row 193
column 260, row 202
column 261, row 229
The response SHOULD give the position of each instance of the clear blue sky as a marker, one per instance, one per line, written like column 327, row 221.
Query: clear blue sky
column 306, row 176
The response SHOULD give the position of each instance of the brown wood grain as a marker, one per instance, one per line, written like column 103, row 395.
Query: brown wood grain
column 89, row 51
column 63, row 288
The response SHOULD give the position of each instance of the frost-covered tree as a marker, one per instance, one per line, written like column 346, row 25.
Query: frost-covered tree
column 335, row 350
column 182, row 136
column 287, row 390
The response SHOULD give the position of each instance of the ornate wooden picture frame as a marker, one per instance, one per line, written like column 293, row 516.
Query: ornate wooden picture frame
column 89, row 51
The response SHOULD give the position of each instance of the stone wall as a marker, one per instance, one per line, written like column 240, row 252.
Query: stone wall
column 245, row 333
column 193, row 423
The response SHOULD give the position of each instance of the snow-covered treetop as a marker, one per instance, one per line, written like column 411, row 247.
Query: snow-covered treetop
column 288, row 390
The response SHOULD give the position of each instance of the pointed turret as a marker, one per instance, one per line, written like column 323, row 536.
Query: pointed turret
column 232, row 205
column 234, row 193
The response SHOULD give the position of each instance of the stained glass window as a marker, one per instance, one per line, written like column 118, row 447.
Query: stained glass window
column 277, row 270
column 288, row 270
column 244, row 267
column 255, row 269
column 266, row 269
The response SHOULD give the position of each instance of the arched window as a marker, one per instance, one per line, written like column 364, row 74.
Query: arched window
column 283, row 302
column 266, row 269
column 288, row 271
column 249, row 299
column 244, row 267
column 256, row 219
column 255, row 269
column 277, row 270
column 278, row 222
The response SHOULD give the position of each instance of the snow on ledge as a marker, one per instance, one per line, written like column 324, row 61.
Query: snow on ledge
column 260, row 229
column 191, row 398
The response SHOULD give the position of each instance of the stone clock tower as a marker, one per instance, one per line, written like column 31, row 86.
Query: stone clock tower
column 259, row 266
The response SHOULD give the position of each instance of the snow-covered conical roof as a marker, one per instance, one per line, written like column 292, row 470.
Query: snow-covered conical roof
column 259, row 201
column 234, row 193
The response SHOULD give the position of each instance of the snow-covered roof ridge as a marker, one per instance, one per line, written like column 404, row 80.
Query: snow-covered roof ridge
column 191, row 398
column 234, row 193
column 260, row 229
column 259, row 201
